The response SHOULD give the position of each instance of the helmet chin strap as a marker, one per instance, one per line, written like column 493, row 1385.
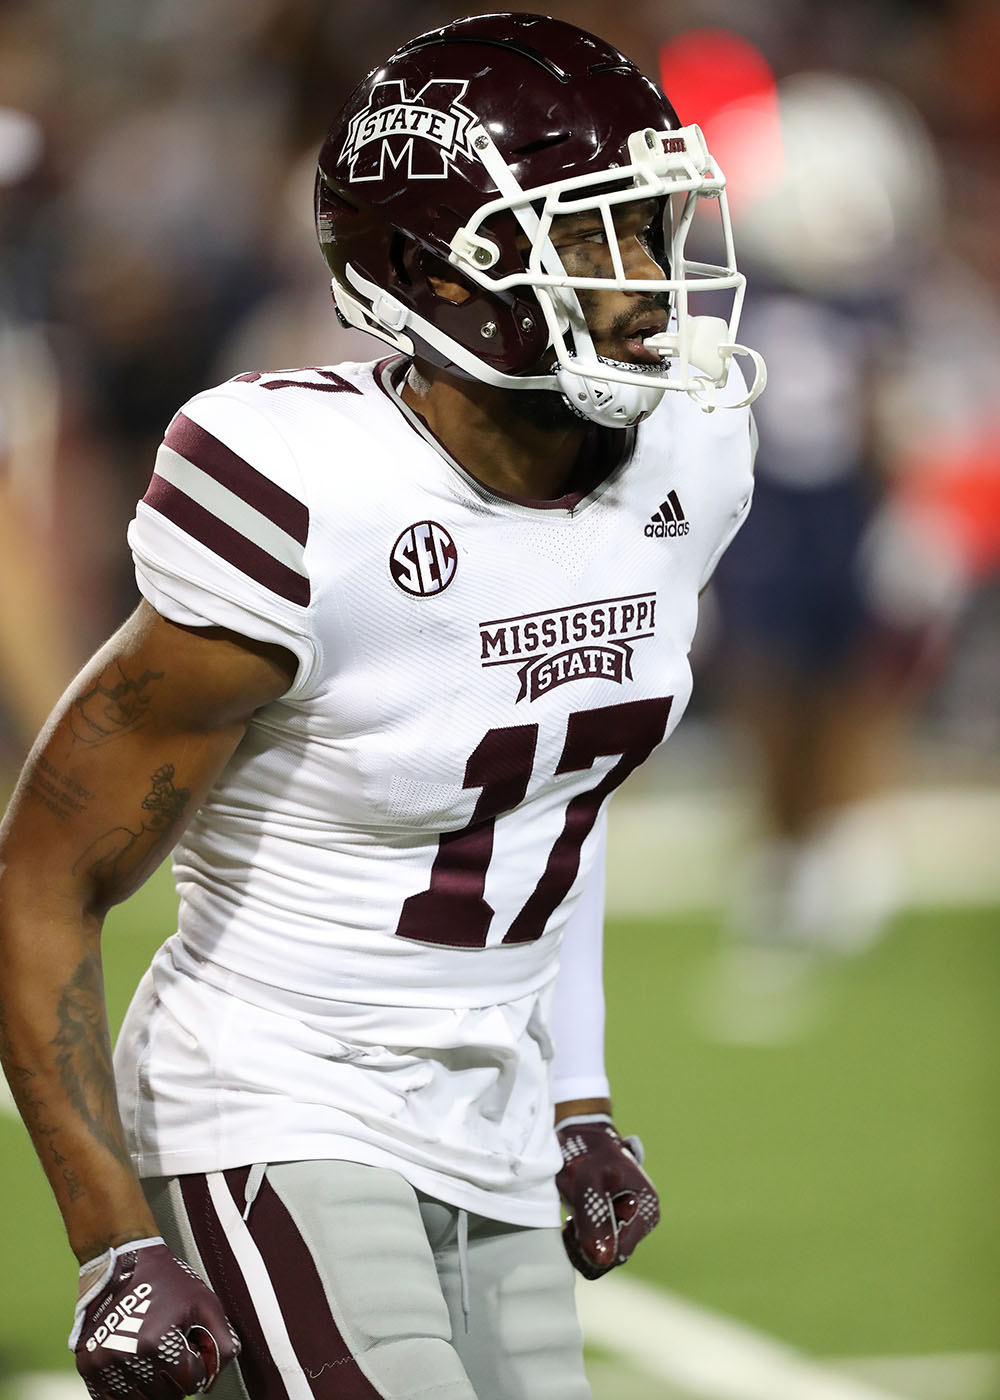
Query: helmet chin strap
column 607, row 402
column 603, row 401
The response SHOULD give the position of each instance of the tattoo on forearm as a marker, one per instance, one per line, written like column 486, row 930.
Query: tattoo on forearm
column 34, row 1111
column 121, row 852
column 115, row 705
column 83, row 1056
column 57, row 791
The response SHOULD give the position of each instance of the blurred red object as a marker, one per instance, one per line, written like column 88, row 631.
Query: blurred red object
column 962, row 497
column 723, row 83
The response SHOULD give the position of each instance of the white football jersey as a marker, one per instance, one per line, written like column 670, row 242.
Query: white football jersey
column 373, row 894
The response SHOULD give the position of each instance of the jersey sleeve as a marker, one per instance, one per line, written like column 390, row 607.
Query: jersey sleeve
column 219, row 539
column 577, row 1017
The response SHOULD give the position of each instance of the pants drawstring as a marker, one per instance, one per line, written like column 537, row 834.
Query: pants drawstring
column 254, row 1182
column 463, row 1263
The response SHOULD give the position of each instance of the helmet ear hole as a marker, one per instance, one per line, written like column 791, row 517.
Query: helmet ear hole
column 397, row 248
column 445, row 281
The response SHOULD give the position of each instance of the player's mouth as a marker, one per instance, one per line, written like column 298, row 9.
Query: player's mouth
column 638, row 332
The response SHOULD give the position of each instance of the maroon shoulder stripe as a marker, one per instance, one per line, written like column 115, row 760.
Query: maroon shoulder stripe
column 228, row 543
column 230, row 470
column 256, row 1365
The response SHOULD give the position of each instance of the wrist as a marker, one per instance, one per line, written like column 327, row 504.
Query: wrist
column 97, row 1246
column 96, row 1272
column 582, row 1108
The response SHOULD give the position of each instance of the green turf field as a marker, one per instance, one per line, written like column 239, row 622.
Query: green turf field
column 839, row 1193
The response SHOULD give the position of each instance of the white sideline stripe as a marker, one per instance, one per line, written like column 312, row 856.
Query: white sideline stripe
column 948, row 1376
column 46, row 1385
column 702, row 1353
column 261, row 1291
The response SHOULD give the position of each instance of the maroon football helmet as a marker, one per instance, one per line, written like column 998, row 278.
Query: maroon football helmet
column 452, row 159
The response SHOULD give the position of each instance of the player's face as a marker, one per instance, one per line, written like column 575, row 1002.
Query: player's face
column 619, row 322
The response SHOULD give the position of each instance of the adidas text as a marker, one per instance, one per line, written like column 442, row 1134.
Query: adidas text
column 118, row 1331
column 659, row 529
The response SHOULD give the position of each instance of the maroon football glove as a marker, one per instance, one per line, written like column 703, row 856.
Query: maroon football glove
column 149, row 1328
column 611, row 1201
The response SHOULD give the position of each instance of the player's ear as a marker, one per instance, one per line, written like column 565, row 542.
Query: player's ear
column 444, row 287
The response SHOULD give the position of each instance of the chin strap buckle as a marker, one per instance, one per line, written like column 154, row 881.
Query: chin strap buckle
column 703, row 390
column 704, row 346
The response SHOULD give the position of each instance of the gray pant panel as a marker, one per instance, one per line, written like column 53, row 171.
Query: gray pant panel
column 391, row 1271
column 524, row 1340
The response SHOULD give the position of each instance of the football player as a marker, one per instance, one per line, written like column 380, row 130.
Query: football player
column 404, row 630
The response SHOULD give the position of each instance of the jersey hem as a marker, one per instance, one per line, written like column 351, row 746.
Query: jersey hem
column 543, row 1211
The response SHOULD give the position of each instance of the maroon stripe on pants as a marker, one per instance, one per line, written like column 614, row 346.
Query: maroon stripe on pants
column 322, row 1352
column 260, row 1374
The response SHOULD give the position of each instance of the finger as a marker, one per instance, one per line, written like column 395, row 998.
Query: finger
column 624, row 1205
column 577, row 1257
column 202, row 1341
column 643, row 1219
column 597, row 1228
column 185, row 1372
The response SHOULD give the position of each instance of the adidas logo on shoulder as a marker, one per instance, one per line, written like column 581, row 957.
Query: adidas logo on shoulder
column 668, row 521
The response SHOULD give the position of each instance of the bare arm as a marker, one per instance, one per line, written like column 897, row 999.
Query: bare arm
column 124, row 762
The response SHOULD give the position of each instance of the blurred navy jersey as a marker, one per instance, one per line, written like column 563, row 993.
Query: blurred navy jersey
column 789, row 587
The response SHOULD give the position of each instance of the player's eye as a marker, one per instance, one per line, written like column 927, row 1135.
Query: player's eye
column 587, row 233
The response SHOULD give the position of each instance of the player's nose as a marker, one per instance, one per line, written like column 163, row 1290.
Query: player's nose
column 638, row 261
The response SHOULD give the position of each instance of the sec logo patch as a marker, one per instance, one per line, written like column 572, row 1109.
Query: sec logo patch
column 424, row 559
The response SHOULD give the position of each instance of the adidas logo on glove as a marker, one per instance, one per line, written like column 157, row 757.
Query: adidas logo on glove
column 120, row 1329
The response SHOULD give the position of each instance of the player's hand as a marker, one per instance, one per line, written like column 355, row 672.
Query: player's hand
column 147, row 1327
column 611, row 1201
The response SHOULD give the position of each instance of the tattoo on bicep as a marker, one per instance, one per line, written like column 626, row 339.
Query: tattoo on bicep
column 121, row 851
column 57, row 791
column 83, row 1056
column 114, row 705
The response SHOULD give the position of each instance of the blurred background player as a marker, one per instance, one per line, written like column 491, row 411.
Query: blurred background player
column 35, row 655
column 835, row 605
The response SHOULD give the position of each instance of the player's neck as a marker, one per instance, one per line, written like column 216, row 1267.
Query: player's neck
column 475, row 423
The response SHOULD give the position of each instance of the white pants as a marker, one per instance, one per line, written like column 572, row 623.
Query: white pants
column 344, row 1283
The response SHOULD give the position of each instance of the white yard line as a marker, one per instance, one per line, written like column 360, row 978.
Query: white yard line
column 950, row 1376
column 704, row 1355
column 46, row 1385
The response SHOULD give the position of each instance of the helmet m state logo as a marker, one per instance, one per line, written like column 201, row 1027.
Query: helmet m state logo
column 428, row 131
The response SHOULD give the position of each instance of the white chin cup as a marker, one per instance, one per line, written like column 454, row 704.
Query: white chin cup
column 606, row 402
